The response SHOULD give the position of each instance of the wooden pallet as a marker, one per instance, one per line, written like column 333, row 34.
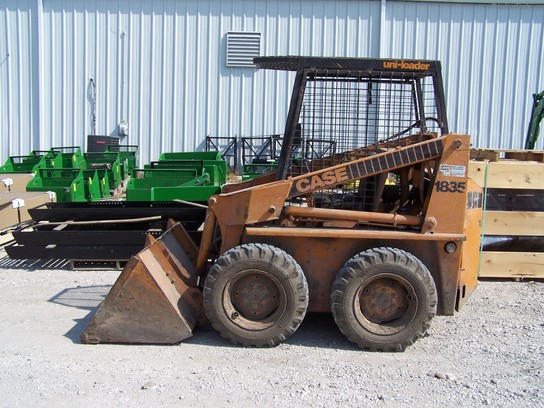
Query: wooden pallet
column 514, row 171
column 496, row 155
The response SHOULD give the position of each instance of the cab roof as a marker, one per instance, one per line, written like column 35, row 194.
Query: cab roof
column 297, row 63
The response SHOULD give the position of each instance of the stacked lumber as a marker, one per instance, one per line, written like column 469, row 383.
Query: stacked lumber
column 513, row 224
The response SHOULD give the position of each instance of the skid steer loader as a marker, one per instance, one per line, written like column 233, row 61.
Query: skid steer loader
column 369, row 215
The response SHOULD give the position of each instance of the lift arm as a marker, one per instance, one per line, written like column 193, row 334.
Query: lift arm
column 367, row 166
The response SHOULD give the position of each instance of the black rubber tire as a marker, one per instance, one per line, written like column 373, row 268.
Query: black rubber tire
column 383, row 299
column 243, row 280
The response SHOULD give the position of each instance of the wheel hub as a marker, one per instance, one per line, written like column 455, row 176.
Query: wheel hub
column 384, row 300
column 255, row 296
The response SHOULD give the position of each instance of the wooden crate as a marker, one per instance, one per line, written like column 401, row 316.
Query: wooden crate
column 519, row 174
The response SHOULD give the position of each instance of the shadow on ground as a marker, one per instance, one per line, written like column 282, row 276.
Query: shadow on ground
column 34, row 264
column 317, row 329
column 81, row 297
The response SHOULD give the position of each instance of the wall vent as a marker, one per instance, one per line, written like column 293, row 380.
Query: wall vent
column 242, row 47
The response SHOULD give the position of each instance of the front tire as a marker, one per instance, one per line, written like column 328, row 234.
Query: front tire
column 383, row 299
column 256, row 295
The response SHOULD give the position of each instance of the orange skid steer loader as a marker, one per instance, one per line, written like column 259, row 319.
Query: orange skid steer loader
column 369, row 215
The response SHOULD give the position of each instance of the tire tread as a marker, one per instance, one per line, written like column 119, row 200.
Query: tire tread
column 350, row 272
column 293, row 272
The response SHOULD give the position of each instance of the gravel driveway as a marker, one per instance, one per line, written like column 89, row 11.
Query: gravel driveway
column 490, row 354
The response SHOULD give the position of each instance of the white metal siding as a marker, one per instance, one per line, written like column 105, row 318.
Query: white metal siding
column 492, row 57
column 17, row 82
column 161, row 65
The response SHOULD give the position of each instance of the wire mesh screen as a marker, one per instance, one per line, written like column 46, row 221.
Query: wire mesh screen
column 348, row 115
column 361, row 113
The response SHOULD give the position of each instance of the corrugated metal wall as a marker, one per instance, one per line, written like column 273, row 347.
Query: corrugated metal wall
column 493, row 60
column 18, row 86
column 161, row 65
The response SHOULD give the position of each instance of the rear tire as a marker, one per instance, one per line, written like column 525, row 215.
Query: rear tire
column 383, row 299
column 256, row 295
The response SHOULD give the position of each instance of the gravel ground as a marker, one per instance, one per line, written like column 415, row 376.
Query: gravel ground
column 490, row 354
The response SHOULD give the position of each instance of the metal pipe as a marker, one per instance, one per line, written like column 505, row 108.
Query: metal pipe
column 364, row 216
column 191, row 203
column 121, row 221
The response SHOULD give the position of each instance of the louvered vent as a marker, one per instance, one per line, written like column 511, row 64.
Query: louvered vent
column 242, row 47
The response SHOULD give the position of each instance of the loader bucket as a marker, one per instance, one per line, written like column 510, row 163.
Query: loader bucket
column 155, row 300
